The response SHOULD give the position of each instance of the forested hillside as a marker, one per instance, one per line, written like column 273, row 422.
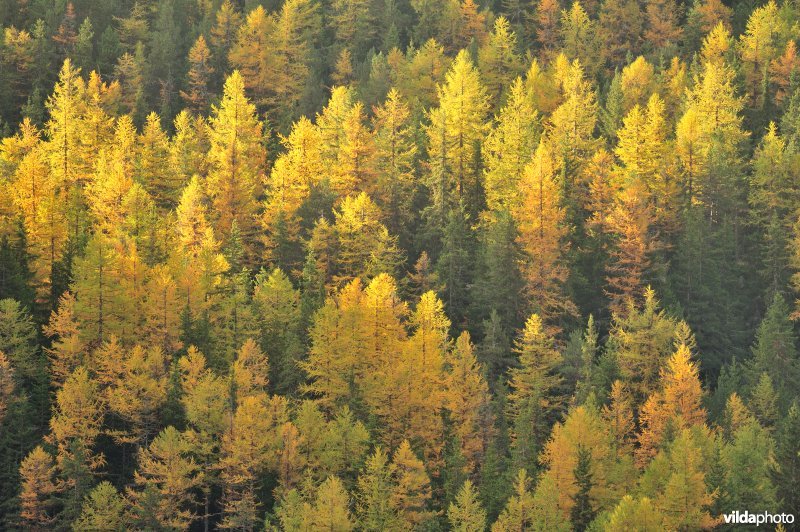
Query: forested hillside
column 398, row 264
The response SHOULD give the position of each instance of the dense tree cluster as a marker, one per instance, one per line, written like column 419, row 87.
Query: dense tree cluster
column 388, row 265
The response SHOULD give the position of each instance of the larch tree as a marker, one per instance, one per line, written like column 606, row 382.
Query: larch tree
column 366, row 248
column 394, row 162
column 236, row 156
column 630, row 224
column 223, row 33
column 570, row 127
column 277, row 305
column 411, row 493
column 353, row 170
column 509, row 147
column 198, row 95
column 98, row 294
column 541, row 223
column 498, row 59
column 331, row 507
column 374, row 509
column 467, row 400
column 455, row 135
column 758, row 46
column 6, row 385
column 530, row 401
column 164, row 480
column 205, row 400
column 677, row 406
column 519, row 511
column 465, row 513
column 642, row 340
column 39, row 487
column 103, row 509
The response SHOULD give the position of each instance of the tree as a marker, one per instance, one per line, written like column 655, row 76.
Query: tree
column 97, row 291
column 277, row 304
column 366, row 248
column 578, row 37
column 572, row 123
column 583, row 512
column 247, row 450
column 774, row 351
column 531, row 400
column 135, row 388
column 746, row 462
column 509, row 148
column 411, row 493
column 167, row 473
column 541, row 222
column 374, row 509
column 467, row 400
column 355, row 26
column 235, row 159
column 330, row 510
column 786, row 470
column 353, row 169
column 620, row 27
column 518, row 513
column 498, row 59
column 465, row 513
column 200, row 70
column 640, row 514
column 663, row 31
column 6, row 385
column 223, row 32
column 686, row 497
column 66, row 108
column 103, row 509
column 758, row 46
column 582, row 431
column 38, row 488
column 455, row 134
column 642, row 340
column 395, row 155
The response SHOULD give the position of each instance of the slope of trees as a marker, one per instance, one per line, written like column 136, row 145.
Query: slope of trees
column 426, row 265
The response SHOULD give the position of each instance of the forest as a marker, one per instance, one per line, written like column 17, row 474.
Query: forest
column 399, row 265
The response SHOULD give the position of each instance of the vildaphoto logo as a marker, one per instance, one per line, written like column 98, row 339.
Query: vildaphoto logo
column 763, row 518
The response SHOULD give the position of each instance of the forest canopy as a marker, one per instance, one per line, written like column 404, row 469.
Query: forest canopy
column 398, row 264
